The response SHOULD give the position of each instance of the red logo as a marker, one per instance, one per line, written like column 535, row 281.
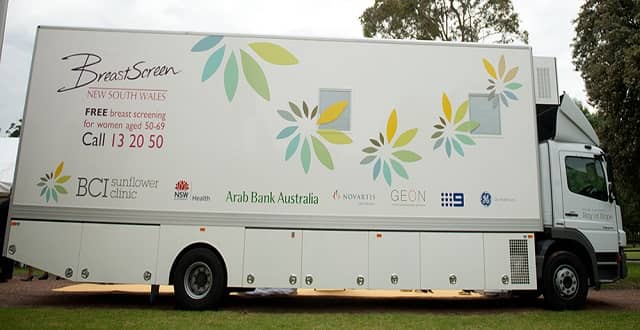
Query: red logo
column 182, row 185
column 336, row 195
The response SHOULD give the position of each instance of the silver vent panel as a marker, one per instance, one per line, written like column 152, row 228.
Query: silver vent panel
column 546, row 82
column 519, row 261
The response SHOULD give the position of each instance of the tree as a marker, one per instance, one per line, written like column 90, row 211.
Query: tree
column 452, row 20
column 14, row 129
column 606, row 50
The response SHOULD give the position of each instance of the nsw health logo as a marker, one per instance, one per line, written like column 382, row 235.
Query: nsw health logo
column 452, row 199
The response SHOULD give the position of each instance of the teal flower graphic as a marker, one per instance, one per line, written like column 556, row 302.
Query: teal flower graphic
column 501, row 86
column 454, row 132
column 251, row 69
column 51, row 184
column 386, row 155
column 308, row 131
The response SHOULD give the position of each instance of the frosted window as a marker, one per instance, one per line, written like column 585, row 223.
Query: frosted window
column 331, row 96
column 483, row 111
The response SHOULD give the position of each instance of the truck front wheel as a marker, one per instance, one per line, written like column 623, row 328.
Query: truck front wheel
column 199, row 280
column 565, row 281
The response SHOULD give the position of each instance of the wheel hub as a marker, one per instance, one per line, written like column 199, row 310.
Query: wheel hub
column 566, row 281
column 198, row 280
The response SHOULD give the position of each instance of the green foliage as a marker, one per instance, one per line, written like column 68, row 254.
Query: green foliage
column 301, row 317
column 606, row 50
column 453, row 20
column 633, row 278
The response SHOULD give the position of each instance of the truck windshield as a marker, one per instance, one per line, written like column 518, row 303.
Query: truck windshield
column 585, row 176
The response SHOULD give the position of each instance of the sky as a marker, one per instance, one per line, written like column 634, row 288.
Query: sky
column 549, row 23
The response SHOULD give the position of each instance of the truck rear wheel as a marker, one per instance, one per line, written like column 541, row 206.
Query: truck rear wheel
column 199, row 280
column 565, row 281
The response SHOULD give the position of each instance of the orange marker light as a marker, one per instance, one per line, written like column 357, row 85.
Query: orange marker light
column 378, row 235
column 203, row 229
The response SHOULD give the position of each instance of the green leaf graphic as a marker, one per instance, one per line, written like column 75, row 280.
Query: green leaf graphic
column 468, row 126
column 407, row 156
column 438, row 143
column 369, row 150
column 254, row 75
column 273, row 53
column 399, row 169
column 231, row 77
column 54, row 194
column 465, row 139
column 286, row 115
column 305, row 109
column 513, row 86
column 314, row 112
column 41, row 184
column 48, row 195
column 374, row 142
column 61, row 189
column 212, row 63
column 386, row 172
column 437, row 134
column 334, row 136
column 43, row 190
column 457, row 147
column 286, row 132
column 305, row 156
column 447, row 147
column 322, row 153
column 405, row 138
column 376, row 169
column 295, row 109
column 367, row 160
column 292, row 147
column 461, row 112
column 63, row 179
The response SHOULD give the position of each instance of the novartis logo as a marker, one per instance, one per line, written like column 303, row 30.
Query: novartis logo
column 353, row 196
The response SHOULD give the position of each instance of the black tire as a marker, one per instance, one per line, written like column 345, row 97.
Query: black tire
column 199, row 280
column 565, row 281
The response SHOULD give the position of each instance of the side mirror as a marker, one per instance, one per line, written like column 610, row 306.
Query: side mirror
column 612, row 197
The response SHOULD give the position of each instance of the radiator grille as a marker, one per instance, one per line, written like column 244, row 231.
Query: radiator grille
column 519, row 261
column 544, row 80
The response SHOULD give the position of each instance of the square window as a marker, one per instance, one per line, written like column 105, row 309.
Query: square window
column 331, row 96
column 483, row 111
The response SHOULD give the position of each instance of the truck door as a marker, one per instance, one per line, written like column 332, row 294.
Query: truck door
column 585, row 196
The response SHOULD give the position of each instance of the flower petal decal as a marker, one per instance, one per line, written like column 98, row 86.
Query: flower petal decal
column 253, row 73
column 51, row 184
column 501, row 88
column 454, row 134
column 306, row 123
column 386, row 155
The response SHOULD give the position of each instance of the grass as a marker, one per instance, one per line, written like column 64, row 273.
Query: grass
column 631, row 282
column 61, row 318
column 633, row 254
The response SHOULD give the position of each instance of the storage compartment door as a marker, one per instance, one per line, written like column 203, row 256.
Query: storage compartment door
column 118, row 253
column 335, row 259
column 50, row 246
column 452, row 261
column 510, row 262
column 272, row 258
column 394, row 260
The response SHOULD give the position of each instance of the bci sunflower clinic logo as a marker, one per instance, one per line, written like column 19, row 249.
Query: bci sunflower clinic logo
column 51, row 184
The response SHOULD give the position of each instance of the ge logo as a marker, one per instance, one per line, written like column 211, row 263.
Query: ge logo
column 485, row 199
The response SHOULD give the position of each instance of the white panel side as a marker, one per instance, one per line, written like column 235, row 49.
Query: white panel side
column 229, row 241
column 511, row 255
column 335, row 259
column 130, row 250
column 394, row 253
column 444, row 255
column 272, row 257
column 545, row 184
column 50, row 246
column 546, row 80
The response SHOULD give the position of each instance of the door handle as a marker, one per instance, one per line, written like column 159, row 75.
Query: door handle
column 571, row 214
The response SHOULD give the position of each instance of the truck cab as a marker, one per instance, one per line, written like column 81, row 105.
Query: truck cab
column 583, row 241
